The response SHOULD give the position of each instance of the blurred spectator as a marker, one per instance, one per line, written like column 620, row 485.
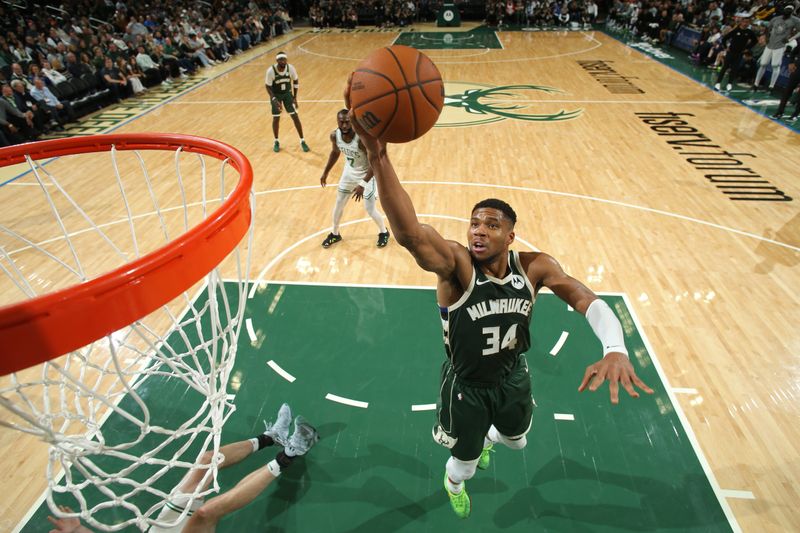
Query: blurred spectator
column 61, row 112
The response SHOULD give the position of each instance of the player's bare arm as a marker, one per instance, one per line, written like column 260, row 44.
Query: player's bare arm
column 333, row 157
column 615, row 366
column 431, row 251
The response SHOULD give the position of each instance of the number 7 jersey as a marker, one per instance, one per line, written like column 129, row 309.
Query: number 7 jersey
column 488, row 327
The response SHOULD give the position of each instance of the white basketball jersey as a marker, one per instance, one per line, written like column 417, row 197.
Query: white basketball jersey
column 355, row 157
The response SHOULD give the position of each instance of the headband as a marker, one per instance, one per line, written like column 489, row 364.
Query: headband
column 280, row 56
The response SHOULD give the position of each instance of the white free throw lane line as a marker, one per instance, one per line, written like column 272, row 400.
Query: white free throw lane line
column 248, row 323
column 423, row 407
column 346, row 401
column 563, row 416
column 281, row 372
column 683, row 390
column 561, row 340
column 740, row 494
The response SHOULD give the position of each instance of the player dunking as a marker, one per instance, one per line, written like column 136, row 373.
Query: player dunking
column 282, row 84
column 356, row 179
column 486, row 294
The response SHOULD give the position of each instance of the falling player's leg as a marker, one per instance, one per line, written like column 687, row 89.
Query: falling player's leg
column 277, row 432
column 205, row 519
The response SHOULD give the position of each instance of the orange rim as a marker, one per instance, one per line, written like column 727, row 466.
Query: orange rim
column 45, row 327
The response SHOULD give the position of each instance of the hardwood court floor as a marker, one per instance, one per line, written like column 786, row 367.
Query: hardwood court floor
column 617, row 192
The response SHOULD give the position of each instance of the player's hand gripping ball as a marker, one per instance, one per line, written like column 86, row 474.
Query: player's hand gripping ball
column 396, row 94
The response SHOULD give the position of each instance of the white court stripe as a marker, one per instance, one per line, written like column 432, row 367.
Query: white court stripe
column 346, row 401
column 250, row 331
column 569, row 308
column 726, row 508
column 682, row 390
column 281, row 372
column 423, row 407
column 561, row 340
column 740, row 494
column 563, row 416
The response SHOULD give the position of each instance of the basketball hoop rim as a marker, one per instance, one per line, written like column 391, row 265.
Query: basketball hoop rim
column 42, row 328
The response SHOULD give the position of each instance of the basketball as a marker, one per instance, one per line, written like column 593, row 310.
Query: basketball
column 396, row 94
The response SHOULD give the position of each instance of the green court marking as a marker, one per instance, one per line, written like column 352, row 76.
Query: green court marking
column 478, row 38
column 629, row 467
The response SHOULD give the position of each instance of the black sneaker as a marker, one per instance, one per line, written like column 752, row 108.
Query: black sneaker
column 793, row 118
column 331, row 239
column 777, row 116
column 383, row 239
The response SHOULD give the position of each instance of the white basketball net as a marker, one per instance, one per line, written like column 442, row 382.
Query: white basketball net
column 112, row 460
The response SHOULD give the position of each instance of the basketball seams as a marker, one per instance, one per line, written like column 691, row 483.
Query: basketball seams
column 378, row 79
column 422, row 90
column 406, row 88
column 384, row 76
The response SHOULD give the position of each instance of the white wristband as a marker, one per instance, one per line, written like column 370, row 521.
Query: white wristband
column 606, row 326
column 363, row 183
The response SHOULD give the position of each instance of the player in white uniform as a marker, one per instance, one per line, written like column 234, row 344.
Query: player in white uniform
column 203, row 515
column 356, row 181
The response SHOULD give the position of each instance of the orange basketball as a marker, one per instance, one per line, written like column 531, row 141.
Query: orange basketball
column 396, row 94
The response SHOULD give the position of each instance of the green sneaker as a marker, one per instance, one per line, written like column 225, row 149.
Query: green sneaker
column 304, row 146
column 276, row 147
column 485, row 458
column 461, row 503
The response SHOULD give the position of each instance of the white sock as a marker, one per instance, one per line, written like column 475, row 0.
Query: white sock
column 274, row 468
column 254, row 442
column 491, row 437
column 455, row 488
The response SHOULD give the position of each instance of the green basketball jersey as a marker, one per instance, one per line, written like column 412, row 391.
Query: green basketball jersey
column 282, row 83
column 488, row 327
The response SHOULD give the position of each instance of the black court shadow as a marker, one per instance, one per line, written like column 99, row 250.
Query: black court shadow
column 657, row 503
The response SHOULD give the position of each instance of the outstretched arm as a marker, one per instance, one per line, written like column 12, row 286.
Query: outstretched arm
column 615, row 366
column 431, row 251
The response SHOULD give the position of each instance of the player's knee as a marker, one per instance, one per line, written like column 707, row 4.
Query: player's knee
column 205, row 515
column 459, row 470
column 515, row 443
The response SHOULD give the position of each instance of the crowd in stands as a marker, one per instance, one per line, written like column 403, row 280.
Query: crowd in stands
column 57, row 64
column 658, row 22
column 541, row 13
column 384, row 14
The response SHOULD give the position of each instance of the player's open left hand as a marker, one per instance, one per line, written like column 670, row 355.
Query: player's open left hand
column 66, row 525
column 616, row 368
column 358, row 193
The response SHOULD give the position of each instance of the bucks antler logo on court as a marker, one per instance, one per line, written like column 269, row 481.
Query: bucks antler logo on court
column 467, row 104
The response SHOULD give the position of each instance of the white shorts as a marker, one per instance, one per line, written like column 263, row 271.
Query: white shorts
column 773, row 56
column 350, row 180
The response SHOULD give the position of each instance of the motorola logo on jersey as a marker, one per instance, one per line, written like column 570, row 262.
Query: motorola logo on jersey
column 517, row 282
column 470, row 104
